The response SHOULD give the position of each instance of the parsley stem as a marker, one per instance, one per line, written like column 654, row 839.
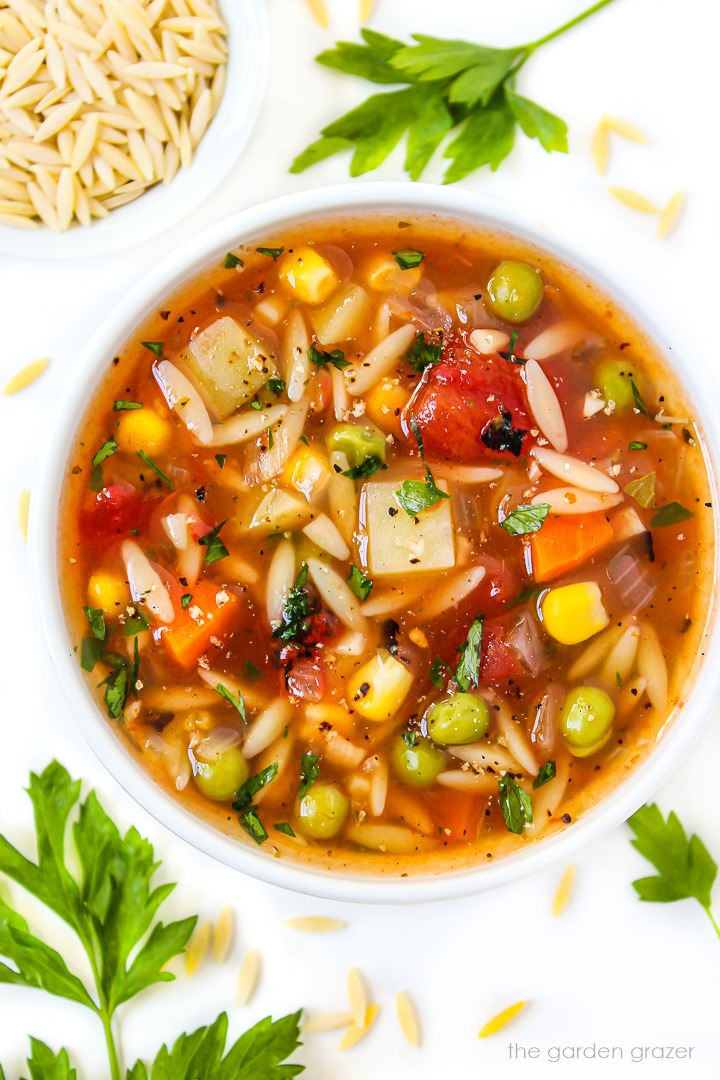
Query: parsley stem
column 567, row 26
column 712, row 920
column 110, row 1041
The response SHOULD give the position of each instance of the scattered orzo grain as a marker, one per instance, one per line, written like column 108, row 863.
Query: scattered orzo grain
column 498, row 1022
column 26, row 375
column 23, row 511
column 366, row 10
column 624, row 128
column 670, row 213
column 319, row 12
column 248, row 978
column 419, row 638
column 315, row 924
column 408, row 1017
column 600, row 148
column 198, row 947
column 222, row 938
column 357, row 997
column 633, row 199
column 354, row 1033
column 562, row 893
column 328, row 1022
column 98, row 95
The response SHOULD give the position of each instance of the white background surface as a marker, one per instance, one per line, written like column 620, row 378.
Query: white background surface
column 610, row 971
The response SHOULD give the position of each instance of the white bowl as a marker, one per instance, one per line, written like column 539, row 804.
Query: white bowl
column 255, row 224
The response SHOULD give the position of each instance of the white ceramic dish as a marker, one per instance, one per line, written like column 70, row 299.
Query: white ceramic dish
column 217, row 153
column 255, row 224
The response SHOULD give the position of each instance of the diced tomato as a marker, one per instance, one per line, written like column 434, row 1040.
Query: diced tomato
column 324, row 626
column 321, row 392
column 463, row 395
column 498, row 660
column 306, row 679
column 116, row 511
column 498, row 587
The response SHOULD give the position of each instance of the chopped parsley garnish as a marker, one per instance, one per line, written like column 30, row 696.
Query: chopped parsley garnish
column 232, row 260
column 546, row 773
column 437, row 668
column 91, row 651
column 499, row 434
column 116, row 690
column 221, row 459
column 366, row 468
column 321, row 359
column 526, row 519
column 409, row 738
column 136, row 624
column 408, row 259
column 510, row 354
column 284, row 827
column 468, row 670
column 252, row 671
column 155, row 468
column 309, row 772
column 216, row 550
column 119, row 405
column 670, row 514
column 272, row 253
column 422, row 353
column 96, row 618
column 642, row 490
column 417, row 495
column 638, row 398
column 271, row 441
column 245, row 794
column 362, row 586
column 296, row 613
column 618, row 680
column 515, row 804
column 303, row 440
column 107, row 449
column 186, row 600
column 155, row 347
column 135, row 669
column 638, row 446
column 276, row 386
column 250, row 821
column 256, row 405
column 95, row 483
column 236, row 702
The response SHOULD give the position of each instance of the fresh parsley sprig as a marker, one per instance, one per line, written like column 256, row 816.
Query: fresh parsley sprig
column 448, row 86
column 417, row 495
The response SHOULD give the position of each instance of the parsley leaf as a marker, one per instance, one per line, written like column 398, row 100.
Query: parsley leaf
column 107, row 449
column 309, row 772
column 362, row 586
column 245, row 794
column 410, row 738
column 276, row 386
column 546, row 773
column 155, row 347
column 437, row 668
column 365, row 468
column 408, row 259
column 155, row 468
column 422, row 353
column 670, row 514
column 91, row 650
column 136, row 624
column 321, row 359
column 232, row 260
column 515, row 804
column 236, row 702
column 468, row 670
column 96, row 619
column 417, row 495
column 221, row 459
column 116, row 691
column 284, row 827
column 119, row 405
column 296, row 613
column 252, row 671
column 216, row 550
column 637, row 446
column 186, row 600
column 272, row 253
column 638, row 398
column 499, row 434
column 526, row 519
column 44, row 1065
column 642, row 490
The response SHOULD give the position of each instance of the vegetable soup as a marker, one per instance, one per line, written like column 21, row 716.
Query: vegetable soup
column 388, row 544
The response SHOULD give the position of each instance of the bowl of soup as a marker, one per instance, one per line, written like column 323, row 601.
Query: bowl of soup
column 375, row 544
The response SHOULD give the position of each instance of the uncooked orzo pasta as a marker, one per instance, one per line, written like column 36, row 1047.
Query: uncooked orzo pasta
column 100, row 101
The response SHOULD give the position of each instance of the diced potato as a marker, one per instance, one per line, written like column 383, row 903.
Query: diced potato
column 384, row 404
column 143, row 429
column 272, row 309
column 110, row 592
column 308, row 471
column 379, row 688
column 626, row 524
column 342, row 316
column 383, row 273
column 230, row 364
column 574, row 613
column 279, row 511
column 307, row 275
column 398, row 542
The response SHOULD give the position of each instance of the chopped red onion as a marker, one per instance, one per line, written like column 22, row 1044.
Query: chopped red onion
column 544, row 721
column 632, row 585
column 525, row 641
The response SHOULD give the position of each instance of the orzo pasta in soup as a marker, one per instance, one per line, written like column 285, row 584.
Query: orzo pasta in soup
column 388, row 544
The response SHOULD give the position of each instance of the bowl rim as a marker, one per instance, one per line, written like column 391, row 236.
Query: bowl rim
column 253, row 223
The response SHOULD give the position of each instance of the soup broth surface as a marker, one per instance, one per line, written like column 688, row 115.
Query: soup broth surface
column 388, row 544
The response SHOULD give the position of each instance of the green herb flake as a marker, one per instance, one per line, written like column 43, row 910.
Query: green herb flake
column 116, row 691
column 422, row 353
column 186, row 600
column 155, row 468
column 642, row 490
column 407, row 259
column 638, row 399
column 272, row 253
column 671, row 514
column 119, row 405
column 437, row 672
column 216, row 550
column 256, row 405
column 236, row 702
column 136, row 624
column 252, row 671
column 515, row 804
column 417, row 495
column 546, row 773
column 309, row 772
column 295, row 622
column 95, row 483
column 276, row 386
column 249, row 819
column 96, row 618
column 510, row 354
column 245, row 794
column 221, row 459
column 526, row 519
column 530, row 592
column 320, row 359
column 155, row 347
column 359, row 584
column 284, row 827
column 500, row 434
column 91, row 651
column 135, row 669
column 108, row 448
column 232, row 260
column 303, row 440
column 618, row 680
column 637, row 446
column 365, row 468
column 409, row 738
column 468, row 670
column 271, row 441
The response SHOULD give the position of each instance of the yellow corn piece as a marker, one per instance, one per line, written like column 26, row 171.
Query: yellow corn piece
column 408, row 1017
column 634, row 199
column 319, row 12
column 382, row 272
column 624, row 128
column 379, row 688
column 354, row 1033
column 366, row 10
column 198, row 947
column 600, row 148
column 670, row 213
column 307, row 274
column 419, row 638
column 315, row 924
column 498, row 1022
column 223, row 935
column 574, row 613
column 26, row 375
column 327, row 1022
column 308, row 471
column 384, row 404
column 357, row 997
column 562, row 893
column 23, row 511
column 110, row 592
column 143, row 429
column 247, row 978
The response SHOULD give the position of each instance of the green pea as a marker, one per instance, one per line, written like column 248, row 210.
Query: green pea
column 322, row 811
column 615, row 376
column 219, row 775
column 458, row 720
column 416, row 765
column 357, row 442
column 515, row 291
column 586, row 720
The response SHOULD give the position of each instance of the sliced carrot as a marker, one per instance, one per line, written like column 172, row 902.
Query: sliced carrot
column 190, row 633
column 565, row 542
column 457, row 814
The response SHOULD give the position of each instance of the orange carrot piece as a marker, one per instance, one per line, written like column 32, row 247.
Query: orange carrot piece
column 190, row 633
column 565, row 542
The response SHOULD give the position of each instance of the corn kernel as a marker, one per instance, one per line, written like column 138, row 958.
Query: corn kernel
column 379, row 688
column 308, row 471
column 143, row 429
column 382, row 272
column 307, row 274
column 574, row 613
column 384, row 405
column 109, row 592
